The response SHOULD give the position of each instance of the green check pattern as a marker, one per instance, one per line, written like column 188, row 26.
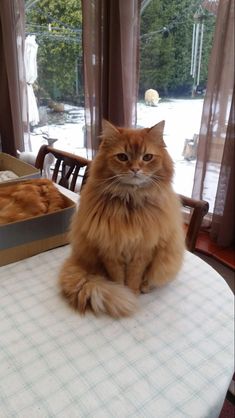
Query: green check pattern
column 173, row 359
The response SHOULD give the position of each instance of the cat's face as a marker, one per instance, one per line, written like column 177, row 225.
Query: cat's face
column 135, row 156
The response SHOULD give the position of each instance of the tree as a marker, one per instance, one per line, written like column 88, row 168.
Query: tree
column 165, row 47
column 58, row 28
column 166, row 41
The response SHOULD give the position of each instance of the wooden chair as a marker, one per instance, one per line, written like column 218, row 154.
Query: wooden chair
column 67, row 166
column 198, row 209
column 70, row 165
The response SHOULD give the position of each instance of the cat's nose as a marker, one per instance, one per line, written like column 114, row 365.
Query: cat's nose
column 135, row 170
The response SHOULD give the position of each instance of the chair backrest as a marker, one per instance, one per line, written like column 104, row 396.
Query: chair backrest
column 198, row 208
column 66, row 171
column 67, row 166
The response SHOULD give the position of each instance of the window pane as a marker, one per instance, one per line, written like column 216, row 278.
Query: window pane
column 175, row 40
column 58, row 85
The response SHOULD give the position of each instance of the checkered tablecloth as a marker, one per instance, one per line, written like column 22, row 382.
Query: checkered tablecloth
column 173, row 359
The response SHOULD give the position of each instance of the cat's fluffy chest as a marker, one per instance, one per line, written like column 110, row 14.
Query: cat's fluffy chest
column 123, row 224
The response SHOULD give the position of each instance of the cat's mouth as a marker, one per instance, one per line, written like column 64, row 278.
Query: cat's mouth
column 135, row 179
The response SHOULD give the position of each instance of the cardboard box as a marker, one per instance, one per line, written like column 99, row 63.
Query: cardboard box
column 20, row 168
column 22, row 239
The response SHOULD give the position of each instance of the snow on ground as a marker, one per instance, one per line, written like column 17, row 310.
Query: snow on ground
column 182, row 122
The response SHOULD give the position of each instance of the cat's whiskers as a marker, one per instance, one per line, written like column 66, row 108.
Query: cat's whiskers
column 155, row 184
column 113, row 185
column 109, row 187
column 109, row 180
column 155, row 176
column 154, row 180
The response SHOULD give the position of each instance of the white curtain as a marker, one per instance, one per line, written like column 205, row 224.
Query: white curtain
column 30, row 60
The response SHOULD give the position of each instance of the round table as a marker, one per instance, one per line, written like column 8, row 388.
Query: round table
column 173, row 358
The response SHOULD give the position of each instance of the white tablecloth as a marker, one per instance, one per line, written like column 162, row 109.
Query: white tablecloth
column 174, row 358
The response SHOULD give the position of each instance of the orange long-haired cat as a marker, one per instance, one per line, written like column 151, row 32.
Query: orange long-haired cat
column 127, row 235
column 29, row 198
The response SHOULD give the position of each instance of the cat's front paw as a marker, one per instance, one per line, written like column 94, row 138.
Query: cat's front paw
column 134, row 289
column 145, row 286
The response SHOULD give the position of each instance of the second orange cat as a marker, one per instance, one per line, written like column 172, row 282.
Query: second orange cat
column 27, row 199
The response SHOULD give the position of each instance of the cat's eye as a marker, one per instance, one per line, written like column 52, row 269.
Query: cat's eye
column 147, row 157
column 122, row 157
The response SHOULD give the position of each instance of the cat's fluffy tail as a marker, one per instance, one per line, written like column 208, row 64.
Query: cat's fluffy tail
column 87, row 291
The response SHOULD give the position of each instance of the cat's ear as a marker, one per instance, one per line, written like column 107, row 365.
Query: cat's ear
column 156, row 132
column 108, row 130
